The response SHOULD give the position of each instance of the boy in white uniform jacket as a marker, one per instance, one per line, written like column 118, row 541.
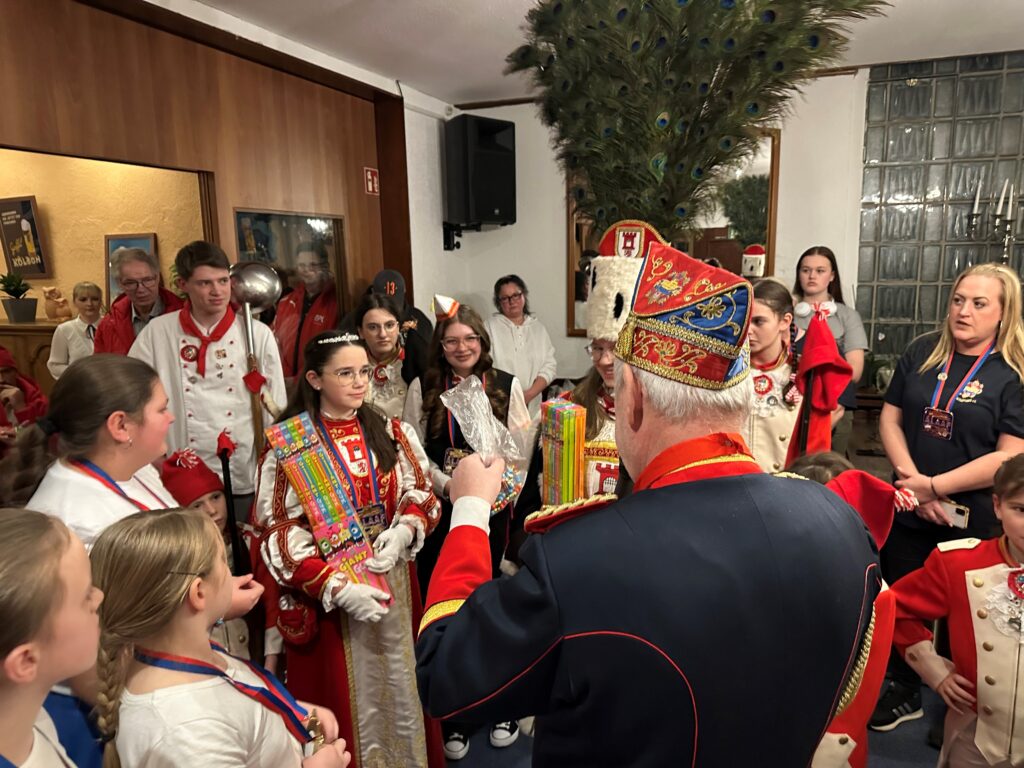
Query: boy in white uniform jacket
column 199, row 352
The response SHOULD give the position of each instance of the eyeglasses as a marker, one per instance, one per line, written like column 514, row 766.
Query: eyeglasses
column 451, row 344
column 388, row 327
column 131, row 285
column 347, row 376
column 596, row 352
column 510, row 298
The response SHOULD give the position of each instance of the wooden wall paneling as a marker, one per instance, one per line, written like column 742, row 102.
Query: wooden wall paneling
column 389, row 113
column 115, row 89
column 30, row 345
column 161, row 18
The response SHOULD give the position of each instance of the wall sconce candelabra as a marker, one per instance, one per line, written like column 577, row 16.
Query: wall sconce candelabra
column 1002, row 224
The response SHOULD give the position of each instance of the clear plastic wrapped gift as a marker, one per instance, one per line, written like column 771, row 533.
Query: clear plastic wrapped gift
column 486, row 435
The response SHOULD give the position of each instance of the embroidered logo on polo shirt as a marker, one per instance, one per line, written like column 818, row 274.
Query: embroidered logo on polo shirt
column 971, row 392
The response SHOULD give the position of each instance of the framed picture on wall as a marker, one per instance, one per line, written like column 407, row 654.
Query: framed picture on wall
column 286, row 241
column 23, row 246
column 145, row 241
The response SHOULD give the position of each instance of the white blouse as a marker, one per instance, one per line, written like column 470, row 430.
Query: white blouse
column 88, row 507
column 208, row 723
column 524, row 350
column 71, row 341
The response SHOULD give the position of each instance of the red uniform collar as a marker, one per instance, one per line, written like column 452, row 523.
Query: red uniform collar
column 721, row 454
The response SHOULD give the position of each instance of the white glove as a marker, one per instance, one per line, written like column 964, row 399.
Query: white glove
column 362, row 602
column 391, row 545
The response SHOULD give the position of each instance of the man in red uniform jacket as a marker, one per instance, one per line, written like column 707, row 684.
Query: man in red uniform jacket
column 138, row 274
column 710, row 619
column 310, row 309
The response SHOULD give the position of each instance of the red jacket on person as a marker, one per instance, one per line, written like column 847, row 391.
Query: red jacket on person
column 115, row 333
column 322, row 316
column 36, row 403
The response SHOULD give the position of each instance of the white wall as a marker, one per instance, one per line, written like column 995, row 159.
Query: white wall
column 819, row 204
column 820, row 176
column 534, row 247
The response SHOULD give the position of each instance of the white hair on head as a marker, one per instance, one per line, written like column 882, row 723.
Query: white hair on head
column 724, row 409
column 123, row 255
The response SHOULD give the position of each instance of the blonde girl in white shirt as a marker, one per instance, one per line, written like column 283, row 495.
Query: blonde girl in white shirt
column 167, row 696
column 50, row 631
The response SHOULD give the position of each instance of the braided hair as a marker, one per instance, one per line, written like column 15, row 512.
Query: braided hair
column 778, row 299
column 145, row 564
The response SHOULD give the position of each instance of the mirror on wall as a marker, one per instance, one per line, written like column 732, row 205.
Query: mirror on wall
column 746, row 214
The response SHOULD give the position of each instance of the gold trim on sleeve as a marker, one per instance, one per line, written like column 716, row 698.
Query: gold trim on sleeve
column 438, row 611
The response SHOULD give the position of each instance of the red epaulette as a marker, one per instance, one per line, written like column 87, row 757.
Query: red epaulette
column 547, row 518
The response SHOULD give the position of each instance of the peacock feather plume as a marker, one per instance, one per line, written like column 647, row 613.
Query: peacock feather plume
column 651, row 100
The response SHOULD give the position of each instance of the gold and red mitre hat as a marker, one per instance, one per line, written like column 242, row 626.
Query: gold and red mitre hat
column 688, row 322
column 613, row 275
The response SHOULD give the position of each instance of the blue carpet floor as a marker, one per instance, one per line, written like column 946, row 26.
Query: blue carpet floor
column 903, row 747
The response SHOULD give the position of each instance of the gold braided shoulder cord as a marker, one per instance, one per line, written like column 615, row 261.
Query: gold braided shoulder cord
column 860, row 666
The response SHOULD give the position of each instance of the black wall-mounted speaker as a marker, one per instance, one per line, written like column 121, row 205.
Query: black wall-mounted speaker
column 480, row 171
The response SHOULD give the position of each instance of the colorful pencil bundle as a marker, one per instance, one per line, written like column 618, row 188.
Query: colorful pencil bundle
column 563, row 432
column 330, row 510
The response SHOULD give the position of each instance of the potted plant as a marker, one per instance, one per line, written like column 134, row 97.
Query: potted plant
column 18, row 308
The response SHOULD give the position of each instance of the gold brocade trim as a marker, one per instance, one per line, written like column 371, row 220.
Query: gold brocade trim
column 603, row 449
column 859, row 667
column 624, row 350
column 790, row 475
column 350, row 672
column 403, row 441
column 307, row 584
column 439, row 611
column 713, row 460
column 557, row 509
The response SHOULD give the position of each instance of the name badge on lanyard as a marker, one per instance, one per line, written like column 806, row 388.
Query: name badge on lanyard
column 938, row 422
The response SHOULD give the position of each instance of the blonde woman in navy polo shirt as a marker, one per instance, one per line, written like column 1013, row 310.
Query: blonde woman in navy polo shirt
column 952, row 415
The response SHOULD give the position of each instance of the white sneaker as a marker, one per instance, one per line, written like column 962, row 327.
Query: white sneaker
column 456, row 745
column 504, row 734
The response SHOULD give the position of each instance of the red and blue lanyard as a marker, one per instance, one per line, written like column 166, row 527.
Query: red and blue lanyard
column 86, row 467
column 963, row 382
column 325, row 435
column 274, row 696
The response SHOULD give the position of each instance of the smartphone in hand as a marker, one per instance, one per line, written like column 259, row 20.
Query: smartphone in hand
column 958, row 513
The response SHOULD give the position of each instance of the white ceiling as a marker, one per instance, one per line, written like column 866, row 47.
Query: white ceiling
column 454, row 50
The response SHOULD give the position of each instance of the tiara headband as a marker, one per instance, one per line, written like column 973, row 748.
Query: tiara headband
column 345, row 337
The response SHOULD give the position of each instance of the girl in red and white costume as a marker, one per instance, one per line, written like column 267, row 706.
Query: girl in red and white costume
column 345, row 643
column 776, row 398
column 397, row 358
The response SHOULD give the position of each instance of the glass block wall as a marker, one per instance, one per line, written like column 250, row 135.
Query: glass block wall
column 935, row 130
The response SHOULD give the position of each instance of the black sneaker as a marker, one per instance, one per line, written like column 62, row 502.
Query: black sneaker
column 456, row 745
column 897, row 705
column 504, row 734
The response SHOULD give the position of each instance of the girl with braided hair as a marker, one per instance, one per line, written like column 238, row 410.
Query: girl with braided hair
column 773, row 361
column 50, row 631
column 167, row 696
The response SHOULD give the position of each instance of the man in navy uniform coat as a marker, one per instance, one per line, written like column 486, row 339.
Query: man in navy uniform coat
column 714, row 617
